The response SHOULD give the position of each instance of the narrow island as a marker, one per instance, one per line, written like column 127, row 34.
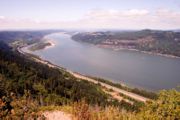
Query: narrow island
column 43, row 44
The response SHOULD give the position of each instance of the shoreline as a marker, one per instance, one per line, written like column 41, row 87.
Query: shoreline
column 41, row 45
column 52, row 44
column 114, row 49
column 136, row 50
column 84, row 77
column 47, row 40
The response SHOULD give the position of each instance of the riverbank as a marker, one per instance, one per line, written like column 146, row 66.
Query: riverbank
column 46, row 43
column 136, row 50
column 133, row 69
column 82, row 77
column 52, row 44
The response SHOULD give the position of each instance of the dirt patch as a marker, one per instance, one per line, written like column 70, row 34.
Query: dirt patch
column 57, row 115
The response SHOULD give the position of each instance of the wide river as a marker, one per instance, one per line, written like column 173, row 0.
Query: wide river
column 133, row 68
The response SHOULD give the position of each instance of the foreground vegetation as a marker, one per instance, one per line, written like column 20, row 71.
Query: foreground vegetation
column 166, row 107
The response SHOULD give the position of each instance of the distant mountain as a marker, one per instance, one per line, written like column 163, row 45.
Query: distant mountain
column 28, row 36
column 177, row 30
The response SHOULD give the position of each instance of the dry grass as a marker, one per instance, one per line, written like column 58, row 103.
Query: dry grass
column 82, row 111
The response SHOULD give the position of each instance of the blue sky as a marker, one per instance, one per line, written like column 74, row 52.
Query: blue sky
column 63, row 13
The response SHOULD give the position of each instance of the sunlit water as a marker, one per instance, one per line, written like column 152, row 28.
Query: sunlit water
column 132, row 68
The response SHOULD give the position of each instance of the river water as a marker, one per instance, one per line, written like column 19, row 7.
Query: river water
column 133, row 68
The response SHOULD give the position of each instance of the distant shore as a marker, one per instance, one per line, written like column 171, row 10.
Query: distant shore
column 48, row 43
column 146, row 52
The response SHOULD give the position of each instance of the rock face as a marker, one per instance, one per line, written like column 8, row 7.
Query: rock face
column 57, row 115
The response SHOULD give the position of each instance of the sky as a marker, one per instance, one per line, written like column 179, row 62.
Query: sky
column 89, row 14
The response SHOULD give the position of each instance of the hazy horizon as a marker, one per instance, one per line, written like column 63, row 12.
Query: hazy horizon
column 83, row 14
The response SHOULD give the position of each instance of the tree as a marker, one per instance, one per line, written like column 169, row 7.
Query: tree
column 166, row 107
column 41, row 92
column 2, row 88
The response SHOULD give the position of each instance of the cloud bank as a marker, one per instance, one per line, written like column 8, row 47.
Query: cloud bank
column 113, row 19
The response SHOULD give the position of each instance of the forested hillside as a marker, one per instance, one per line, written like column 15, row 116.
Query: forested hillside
column 22, row 76
column 164, row 42
column 30, row 36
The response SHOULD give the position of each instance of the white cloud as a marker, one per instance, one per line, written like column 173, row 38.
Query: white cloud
column 136, row 12
column 2, row 17
column 133, row 19
column 127, row 19
column 116, row 13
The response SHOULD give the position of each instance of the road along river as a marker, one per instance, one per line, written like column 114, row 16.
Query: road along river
column 133, row 68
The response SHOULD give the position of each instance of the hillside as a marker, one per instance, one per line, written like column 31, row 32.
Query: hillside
column 163, row 42
column 20, row 74
column 28, row 88
column 29, row 36
column 21, row 77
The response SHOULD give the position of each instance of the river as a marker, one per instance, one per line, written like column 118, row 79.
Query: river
column 133, row 68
